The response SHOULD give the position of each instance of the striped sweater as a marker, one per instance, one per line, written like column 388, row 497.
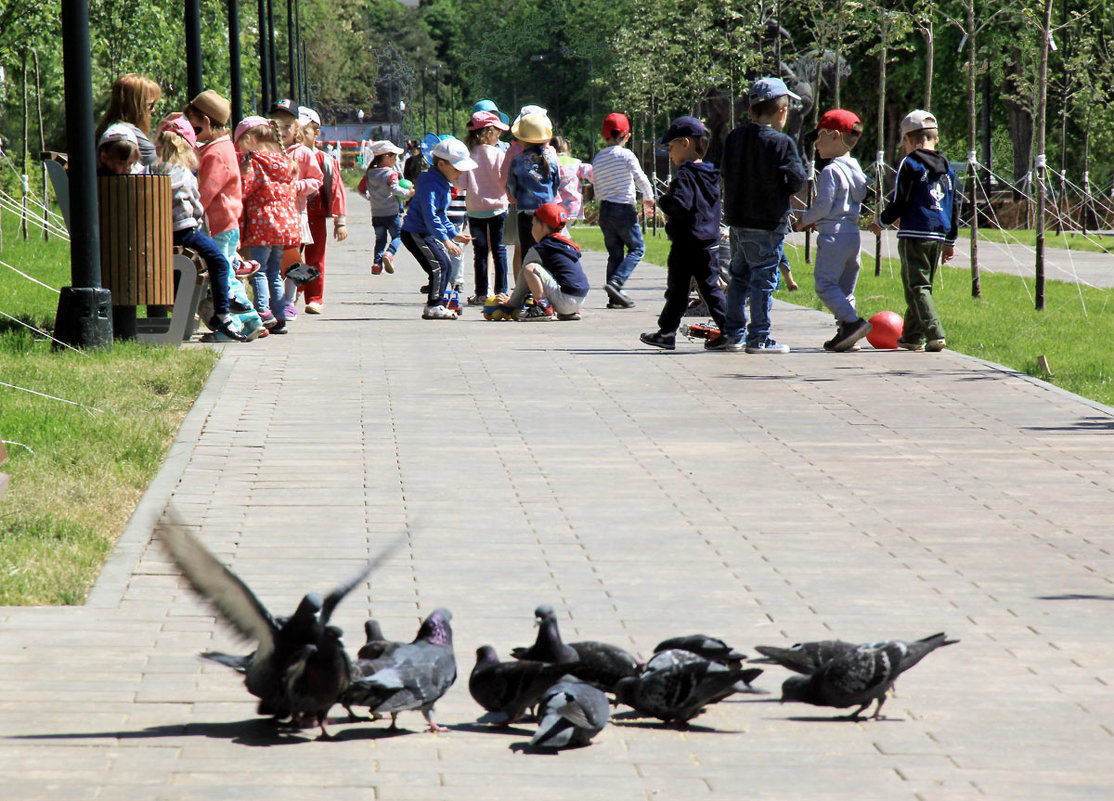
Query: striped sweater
column 615, row 170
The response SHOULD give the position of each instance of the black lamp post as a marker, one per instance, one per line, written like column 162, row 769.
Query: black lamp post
column 194, row 78
column 84, row 318
column 234, row 61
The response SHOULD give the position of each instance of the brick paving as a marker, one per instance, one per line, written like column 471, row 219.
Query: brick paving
column 644, row 494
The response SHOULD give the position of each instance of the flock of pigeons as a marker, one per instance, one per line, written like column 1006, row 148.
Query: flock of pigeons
column 299, row 669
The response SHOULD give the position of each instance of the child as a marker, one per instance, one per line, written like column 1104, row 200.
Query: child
column 329, row 201
column 382, row 190
column 270, row 221
column 693, row 210
column 218, row 181
column 835, row 216
column 175, row 145
column 458, row 218
column 552, row 272
column 925, row 201
column 573, row 173
column 309, row 178
column 117, row 151
column 761, row 173
column 486, row 201
column 534, row 177
column 615, row 170
column 426, row 231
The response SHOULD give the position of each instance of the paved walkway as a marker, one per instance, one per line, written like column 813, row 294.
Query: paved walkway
column 764, row 499
column 1061, row 264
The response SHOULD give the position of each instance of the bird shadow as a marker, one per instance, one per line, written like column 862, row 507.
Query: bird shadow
column 368, row 732
column 840, row 719
column 254, row 732
column 633, row 720
column 482, row 728
column 526, row 748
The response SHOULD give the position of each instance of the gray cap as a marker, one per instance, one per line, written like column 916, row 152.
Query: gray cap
column 768, row 88
column 917, row 120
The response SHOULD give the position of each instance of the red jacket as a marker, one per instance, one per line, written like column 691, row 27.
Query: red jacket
column 270, row 192
column 329, row 200
column 218, row 180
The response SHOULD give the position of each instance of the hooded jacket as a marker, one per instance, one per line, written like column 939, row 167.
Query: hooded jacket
column 924, row 198
column 840, row 191
column 218, row 181
column 561, row 258
column 270, row 192
column 692, row 204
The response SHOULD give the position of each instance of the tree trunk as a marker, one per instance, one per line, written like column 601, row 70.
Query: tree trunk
column 929, row 57
column 972, row 138
column 1041, row 168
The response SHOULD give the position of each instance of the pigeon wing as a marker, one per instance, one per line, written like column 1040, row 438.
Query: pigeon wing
column 337, row 595
column 219, row 586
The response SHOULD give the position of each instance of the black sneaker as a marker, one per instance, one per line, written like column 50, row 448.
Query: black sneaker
column 236, row 307
column 219, row 326
column 850, row 333
column 617, row 298
column 718, row 342
column 279, row 327
column 831, row 343
column 660, row 340
column 570, row 316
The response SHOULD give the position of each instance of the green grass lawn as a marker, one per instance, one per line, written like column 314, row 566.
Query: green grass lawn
column 1074, row 331
column 78, row 471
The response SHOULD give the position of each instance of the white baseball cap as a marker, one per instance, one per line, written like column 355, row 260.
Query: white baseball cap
column 917, row 121
column 455, row 152
column 306, row 114
column 118, row 132
column 378, row 148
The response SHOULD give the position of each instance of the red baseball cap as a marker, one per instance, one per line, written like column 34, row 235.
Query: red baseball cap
column 840, row 119
column 552, row 214
column 615, row 125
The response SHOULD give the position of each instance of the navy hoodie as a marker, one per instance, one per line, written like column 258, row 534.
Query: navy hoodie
column 924, row 198
column 692, row 204
column 561, row 258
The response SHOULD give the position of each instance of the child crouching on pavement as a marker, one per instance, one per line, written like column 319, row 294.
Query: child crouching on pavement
column 550, row 270
column 693, row 209
column 834, row 214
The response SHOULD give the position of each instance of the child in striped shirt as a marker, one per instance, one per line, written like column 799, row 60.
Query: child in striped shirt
column 615, row 171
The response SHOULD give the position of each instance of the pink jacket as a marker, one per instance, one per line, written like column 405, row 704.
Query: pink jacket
column 310, row 176
column 485, row 184
column 218, row 180
column 336, row 204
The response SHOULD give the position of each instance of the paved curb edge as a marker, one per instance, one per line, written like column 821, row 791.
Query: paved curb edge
column 109, row 588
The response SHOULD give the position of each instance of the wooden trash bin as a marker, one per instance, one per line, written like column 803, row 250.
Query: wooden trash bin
column 136, row 219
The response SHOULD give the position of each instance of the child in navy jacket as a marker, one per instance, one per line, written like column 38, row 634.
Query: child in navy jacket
column 693, row 208
column 924, row 201
column 550, row 270
column 427, row 232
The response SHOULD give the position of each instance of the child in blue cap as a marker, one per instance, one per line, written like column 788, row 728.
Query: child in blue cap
column 693, row 209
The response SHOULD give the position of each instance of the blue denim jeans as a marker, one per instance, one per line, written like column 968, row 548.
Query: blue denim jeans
column 622, row 237
column 487, row 235
column 754, row 276
column 267, row 283
column 228, row 242
column 387, row 230
column 214, row 259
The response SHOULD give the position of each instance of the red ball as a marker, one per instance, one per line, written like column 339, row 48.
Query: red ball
column 885, row 330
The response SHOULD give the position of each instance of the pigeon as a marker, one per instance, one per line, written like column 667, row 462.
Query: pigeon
column 572, row 713
column 804, row 657
column 377, row 645
column 415, row 676
column 679, row 692
column 548, row 646
column 508, row 688
column 861, row 676
column 711, row 648
column 299, row 650
column 597, row 663
column 674, row 657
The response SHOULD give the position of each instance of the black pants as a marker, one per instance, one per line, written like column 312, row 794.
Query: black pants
column 434, row 259
column 689, row 260
column 525, row 231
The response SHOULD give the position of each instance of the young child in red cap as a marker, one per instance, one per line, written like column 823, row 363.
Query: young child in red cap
column 552, row 272
column 615, row 171
column 834, row 214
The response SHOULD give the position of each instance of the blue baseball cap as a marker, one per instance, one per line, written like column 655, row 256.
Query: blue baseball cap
column 768, row 88
column 684, row 126
column 489, row 105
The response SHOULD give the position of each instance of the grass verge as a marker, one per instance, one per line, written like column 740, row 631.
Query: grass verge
column 1092, row 242
column 78, row 471
column 1072, row 333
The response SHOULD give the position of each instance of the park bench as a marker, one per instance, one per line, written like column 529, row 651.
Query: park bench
column 132, row 257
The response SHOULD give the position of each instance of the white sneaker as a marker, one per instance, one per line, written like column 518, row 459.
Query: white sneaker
column 438, row 313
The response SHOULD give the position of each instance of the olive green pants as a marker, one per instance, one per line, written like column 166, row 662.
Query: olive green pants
column 919, row 260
